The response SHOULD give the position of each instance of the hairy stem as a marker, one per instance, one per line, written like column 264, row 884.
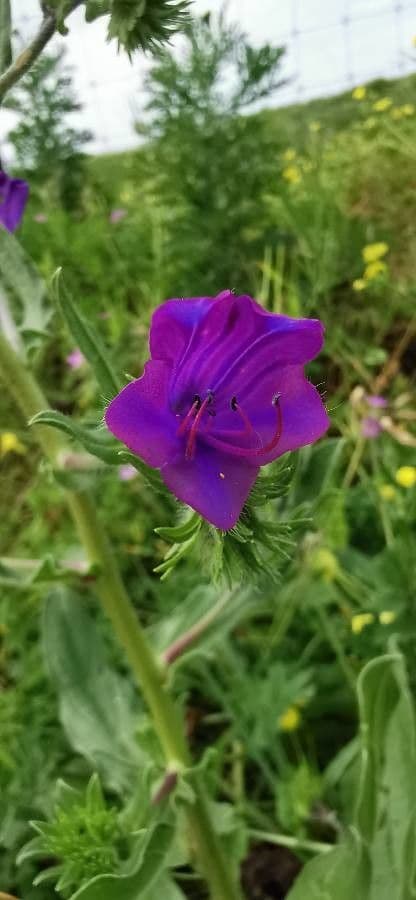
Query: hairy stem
column 116, row 603
column 190, row 637
column 29, row 55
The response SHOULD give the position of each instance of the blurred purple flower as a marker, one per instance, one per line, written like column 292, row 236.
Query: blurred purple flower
column 40, row 218
column 116, row 215
column 370, row 427
column 75, row 359
column 223, row 394
column 127, row 472
column 377, row 401
column 13, row 199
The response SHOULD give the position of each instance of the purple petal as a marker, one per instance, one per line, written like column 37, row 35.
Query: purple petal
column 370, row 427
column 173, row 324
column 126, row 472
column 303, row 416
column 116, row 215
column 236, row 342
column 377, row 401
column 75, row 359
column 140, row 416
column 213, row 483
column 13, row 199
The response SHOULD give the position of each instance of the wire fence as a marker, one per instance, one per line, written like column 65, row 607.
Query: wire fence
column 331, row 46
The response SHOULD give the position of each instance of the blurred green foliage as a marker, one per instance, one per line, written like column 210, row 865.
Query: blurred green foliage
column 280, row 203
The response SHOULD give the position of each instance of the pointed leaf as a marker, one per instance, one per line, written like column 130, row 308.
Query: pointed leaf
column 86, row 339
column 96, row 441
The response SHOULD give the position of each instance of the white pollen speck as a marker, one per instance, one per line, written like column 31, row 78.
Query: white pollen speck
column 222, row 475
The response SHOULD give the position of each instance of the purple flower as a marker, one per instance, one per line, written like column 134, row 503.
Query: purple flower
column 75, row 359
column 13, row 199
column 223, row 394
column 377, row 401
column 126, row 472
column 116, row 215
column 370, row 427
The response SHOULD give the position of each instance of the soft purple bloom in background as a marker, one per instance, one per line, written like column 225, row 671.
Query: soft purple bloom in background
column 127, row 472
column 75, row 359
column 13, row 199
column 370, row 427
column 377, row 401
column 116, row 215
column 40, row 218
column 223, row 394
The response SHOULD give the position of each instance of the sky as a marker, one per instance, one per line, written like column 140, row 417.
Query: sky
column 331, row 45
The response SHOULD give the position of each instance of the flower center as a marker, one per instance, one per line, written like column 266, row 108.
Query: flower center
column 193, row 419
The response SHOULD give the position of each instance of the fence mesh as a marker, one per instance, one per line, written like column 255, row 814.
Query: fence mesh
column 331, row 46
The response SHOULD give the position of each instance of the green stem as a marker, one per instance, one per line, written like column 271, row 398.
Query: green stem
column 336, row 645
column 117, row 605
column 5, row 35
column 293, row 843
column 29, row 55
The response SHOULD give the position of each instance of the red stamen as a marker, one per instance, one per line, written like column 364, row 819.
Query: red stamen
column 248, row 428
column 190, row 447
column 184, row 424
column 254, row 451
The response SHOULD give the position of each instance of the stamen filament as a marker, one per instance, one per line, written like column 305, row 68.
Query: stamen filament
column 190, row 447
column 253, row 451
column 185, row 422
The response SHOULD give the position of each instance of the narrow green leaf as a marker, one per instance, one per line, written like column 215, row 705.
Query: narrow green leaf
column 96, row 441
column 86, row 339
column 180, row 533
column 20, row 276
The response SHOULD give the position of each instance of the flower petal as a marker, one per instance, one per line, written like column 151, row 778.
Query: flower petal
column 213, row 483
column 236, row 341
column 173, row 324
column 139, row 416
column 304, row 418
column 13, row 197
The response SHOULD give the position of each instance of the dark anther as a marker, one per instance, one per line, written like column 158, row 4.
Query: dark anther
column 276, row 399
column 197, row 402
column 234, row 403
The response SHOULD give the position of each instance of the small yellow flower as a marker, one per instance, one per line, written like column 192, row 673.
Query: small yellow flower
column 373, row 270
column 292, row 174
column 9, row 443
column 406, row 476
column 360, row 621
column 383, row 104
column 314, row 127
column 387, row 492
column 373, row 252
column 324, row 563
column 290, row 719
column 387, row 617
column 359, row 93
column 359, row 284
column 397, row 113
column 289, row 154
column 408, row 109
